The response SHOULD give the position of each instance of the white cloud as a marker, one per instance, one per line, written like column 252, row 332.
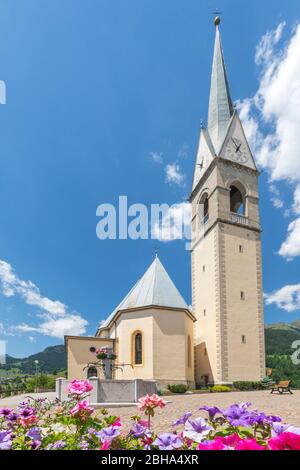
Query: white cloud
column 174, row 174
column 55, row 319
column 12, row 285
column 70, row 324
column 157, row 157
column 272, row 122
column 175, row 223
column 286, row 298
column 290, row 248
column 31, row 339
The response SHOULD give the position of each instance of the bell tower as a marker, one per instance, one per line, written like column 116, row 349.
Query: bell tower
column 226, row 245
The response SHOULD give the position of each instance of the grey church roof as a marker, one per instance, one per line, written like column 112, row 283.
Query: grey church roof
column 155, row 287
column 220, row 104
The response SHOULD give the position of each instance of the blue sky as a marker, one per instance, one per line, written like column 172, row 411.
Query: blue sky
column 94, row 88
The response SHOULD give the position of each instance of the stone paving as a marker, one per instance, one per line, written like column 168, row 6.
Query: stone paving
column 286, row 406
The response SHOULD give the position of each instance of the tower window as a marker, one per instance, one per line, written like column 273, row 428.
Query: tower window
column 204, row 208
column 243, row 339
column 236, row 201
column 242, row 295
column 203, row 268
column 241, row 249
column 204, row 312
column 205, row 352
column 137, row 347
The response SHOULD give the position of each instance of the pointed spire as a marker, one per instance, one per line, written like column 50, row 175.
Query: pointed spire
column 220, row 104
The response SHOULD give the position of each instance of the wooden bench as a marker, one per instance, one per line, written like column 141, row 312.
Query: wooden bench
column 284, row 386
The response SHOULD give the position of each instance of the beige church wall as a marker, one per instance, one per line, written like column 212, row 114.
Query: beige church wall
column 204, row 281
column 171, row 329
column 126, row 325
column 245, row 361
column 79, row 354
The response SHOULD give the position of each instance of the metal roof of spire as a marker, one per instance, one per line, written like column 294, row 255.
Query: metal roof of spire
column 155, row 287
column 220, row 104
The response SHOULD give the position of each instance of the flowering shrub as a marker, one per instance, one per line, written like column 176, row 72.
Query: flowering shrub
column 104, row 353
column 74, row 425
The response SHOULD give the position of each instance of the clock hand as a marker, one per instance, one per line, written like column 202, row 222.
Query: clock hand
column 233, row 142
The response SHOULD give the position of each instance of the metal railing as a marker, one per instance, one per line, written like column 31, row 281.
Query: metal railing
column 238, row 218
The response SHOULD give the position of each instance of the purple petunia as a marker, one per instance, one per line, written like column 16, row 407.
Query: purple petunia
column 5, row 412
column 196, row 429
column 5, row 440
column 167, row 441
column 26, row 412
column 237, row 415
column 108, row 434
column 278, row 428
column 140, row 431
column 212, row 410
column 34, row 434
column 183, row 419
column 35, row 445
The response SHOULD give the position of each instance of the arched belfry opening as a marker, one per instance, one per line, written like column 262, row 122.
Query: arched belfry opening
column 204, row 208
column 237, row 201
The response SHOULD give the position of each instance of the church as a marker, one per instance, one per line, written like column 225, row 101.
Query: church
column 220, row 339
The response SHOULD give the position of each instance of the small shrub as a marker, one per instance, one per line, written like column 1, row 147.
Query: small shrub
column 246, row 386
column 220, row 388
column 178, row 388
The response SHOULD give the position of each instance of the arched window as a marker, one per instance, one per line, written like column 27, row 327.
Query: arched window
column 237, row 204
column 189, row 352
column 91, row 372
column 204, row 208
column 137, row 348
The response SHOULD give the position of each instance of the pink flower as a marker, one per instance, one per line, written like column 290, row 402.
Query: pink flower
column 79, row 387
column 105, row 445
column 143, row 423
column 211, row 445
column 28, row 421
column 117, row 423
column 249, row 444
column 150, row 402
column 285, row 441
column 230, row 441
column 81, row 409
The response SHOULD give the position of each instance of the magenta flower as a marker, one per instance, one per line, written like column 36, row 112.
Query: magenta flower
column 168, row 441
column 286, row 441
column 249, row 444
column 216, row 444
column 82, row 409
column 79, row 387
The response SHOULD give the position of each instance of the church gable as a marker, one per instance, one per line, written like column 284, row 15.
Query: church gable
column 205, row 156
column 235, row 147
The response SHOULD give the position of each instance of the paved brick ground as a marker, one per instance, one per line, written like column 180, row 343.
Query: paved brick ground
column 286, row 406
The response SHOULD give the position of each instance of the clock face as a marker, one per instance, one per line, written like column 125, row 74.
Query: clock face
column 237, row 151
